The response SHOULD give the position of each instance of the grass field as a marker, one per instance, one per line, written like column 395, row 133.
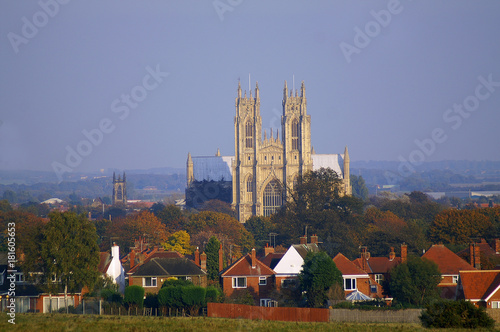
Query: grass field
column 63, row 322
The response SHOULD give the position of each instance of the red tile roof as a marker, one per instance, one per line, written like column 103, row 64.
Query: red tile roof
column 447, row 261
column 272, row 259
column 378, row 265
column 104, row 261
column 243, row 267
column 479, row 285
column 346, row 266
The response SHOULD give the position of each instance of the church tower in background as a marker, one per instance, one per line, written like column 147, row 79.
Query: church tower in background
column 119, row 189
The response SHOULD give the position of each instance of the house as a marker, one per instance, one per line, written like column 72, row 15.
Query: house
column 290, row 265
column 378, row 268
column 482, row 255
column 480, row 287
column 249, row 274
column 450, row 265
column 356, row 279
column 111, row 266
column 155, row 271
column 271, row 258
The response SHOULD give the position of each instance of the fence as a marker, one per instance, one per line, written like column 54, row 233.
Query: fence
column 375, row 316
column 225, row 310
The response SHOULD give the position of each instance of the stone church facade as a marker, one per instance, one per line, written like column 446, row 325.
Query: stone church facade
column 263, row 167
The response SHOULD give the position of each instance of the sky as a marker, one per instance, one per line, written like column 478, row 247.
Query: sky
column 93, row 85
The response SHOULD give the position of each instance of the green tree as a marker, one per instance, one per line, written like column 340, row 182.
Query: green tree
column 212, row 251
column 415, row 281
column 458, row 226
column 455, row 314
column 67, row 252
column 171, row 216
column 259, row 227
column 318, row 274
column 315, row 202
column 134, row 296
column 359, row 188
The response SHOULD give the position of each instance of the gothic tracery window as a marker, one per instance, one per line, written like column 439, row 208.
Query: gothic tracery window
column 249, row 135
column 273, row 198
column 295, row 135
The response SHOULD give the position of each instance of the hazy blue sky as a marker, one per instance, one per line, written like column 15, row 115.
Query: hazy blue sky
column 66, row 68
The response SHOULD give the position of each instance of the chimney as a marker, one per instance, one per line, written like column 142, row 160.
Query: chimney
column 197, row 257
column 303, row 240
column 497, row 246
column 203, row 261
column 132, row 258
column 268, row 250
column 314, row 239
column 254, row 259
column 115, row 251
column 404, row 253
column 221, row 262
column 477, row 257
column 471, row 254
column 364, row 259
column 392, row 254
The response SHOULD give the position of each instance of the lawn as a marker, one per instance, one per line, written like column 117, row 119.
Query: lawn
column 94, row 323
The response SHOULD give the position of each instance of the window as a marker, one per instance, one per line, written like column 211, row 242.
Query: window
column 373, row 288
column 239, row 282
column 454, row 279
column 349, row 284
column 265, row 302
column 249, row 135
column 273, row 198
column 288, row 283
column 295, row 135
column 249, row 184
column 379, row 278
column 495, row 304
column 262, row 281
column 149, row 282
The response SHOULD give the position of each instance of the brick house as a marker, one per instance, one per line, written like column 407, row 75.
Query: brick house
column 378, row 268
column 450, row 265
column 249, row 274
column 356, row 279
column 480, row 287
column 290, row 265
column 153, row 273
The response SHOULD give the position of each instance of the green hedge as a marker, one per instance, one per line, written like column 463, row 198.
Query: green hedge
column 455, row 314
column 134, row 296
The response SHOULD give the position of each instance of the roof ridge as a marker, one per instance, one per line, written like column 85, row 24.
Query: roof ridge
column 161, row 267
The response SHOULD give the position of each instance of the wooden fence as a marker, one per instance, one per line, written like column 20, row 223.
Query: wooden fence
column 226, row 310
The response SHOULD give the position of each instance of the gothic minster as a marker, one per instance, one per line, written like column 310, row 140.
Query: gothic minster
column 254, row 180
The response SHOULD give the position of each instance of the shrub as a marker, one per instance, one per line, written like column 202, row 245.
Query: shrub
column 193, row 297
column 151, row 300
column 176, row 282
column 455, row 314
column 111, row 296
column 213, row 294
column 71, row 310
column 134, row 296
column 170, row 297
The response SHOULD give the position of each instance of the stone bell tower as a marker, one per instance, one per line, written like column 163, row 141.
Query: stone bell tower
column 119, row 189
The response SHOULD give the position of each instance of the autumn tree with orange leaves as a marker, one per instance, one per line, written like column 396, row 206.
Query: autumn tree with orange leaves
column 460, row 226
column 144, row 224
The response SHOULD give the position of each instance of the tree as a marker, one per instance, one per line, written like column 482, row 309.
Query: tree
column 415, row 281
column 259, row 227
column 212, row 251
column 216, row 205
column 141, row 225
column 67, row 252
column 171, row 216
column 179, row 241
column 319, row 273
column 359, row 188
column 459, row 226
column 455, row 314
column 134, row 296
column 315, row 202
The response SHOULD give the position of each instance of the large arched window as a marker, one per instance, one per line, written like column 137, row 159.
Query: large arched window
column 295, row 135
column 249, row 135
column 273, row 198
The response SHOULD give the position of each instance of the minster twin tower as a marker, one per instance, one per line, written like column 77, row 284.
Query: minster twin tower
column 263, row 168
